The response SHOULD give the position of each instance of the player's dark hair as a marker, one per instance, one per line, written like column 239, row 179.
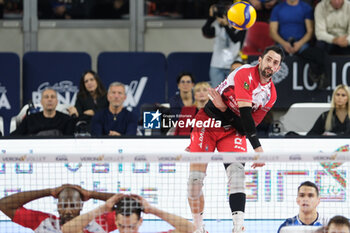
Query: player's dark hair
column 100, row 90
column 178, row 79
column 128, row 206
column 277, row 49
column 309, row 184
column 339, row 220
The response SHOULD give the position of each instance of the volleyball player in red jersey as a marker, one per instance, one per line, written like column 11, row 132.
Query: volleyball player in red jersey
column 240, row 102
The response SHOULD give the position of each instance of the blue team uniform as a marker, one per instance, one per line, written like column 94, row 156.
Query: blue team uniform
column 295, row 221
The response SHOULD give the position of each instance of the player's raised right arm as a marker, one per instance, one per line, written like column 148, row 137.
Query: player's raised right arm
column 10, row 204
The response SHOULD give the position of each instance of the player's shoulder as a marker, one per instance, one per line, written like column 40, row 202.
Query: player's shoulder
column 244, row 71
column 290, row 221
column 246, row 68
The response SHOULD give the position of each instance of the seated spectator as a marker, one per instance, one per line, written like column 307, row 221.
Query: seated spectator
column 185, row 82
column 188, row 112
column 70, row 200
column 49, row 122
column 263, row 9
column 92, row 97
column 292, row 26
column 68, row 9
column 335, row 121
column 114, row 120
column 332, row 26
column 307, row 200
column 127, row 211
column 12, row 9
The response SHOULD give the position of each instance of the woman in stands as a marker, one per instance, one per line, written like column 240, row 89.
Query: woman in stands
column 185, row 82
column 200, row 91
column 91, row 97
column 336, row 121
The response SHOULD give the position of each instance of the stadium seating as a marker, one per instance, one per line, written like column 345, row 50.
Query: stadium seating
column 195, row 62
column 9, row 88
column 300, row 117
column 1, row 126
column 60, row 70
column 144, row 74
column 257, row 39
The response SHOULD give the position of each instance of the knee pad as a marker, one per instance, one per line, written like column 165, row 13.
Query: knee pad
column 195, row 184
column 236, row 178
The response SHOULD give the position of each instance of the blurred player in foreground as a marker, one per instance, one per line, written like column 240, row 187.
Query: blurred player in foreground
column 240, row 102
column 70, row 203
column 337, row 224
column 127, row 211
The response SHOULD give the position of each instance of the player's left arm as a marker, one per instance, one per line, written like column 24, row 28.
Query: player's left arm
column 78, row 223
column 181, row 224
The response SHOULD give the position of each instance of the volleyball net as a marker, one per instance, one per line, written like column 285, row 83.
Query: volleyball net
column 158, row 170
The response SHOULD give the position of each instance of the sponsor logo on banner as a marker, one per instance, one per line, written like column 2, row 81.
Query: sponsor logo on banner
column 217, row 158
column 35, row 159
column 248, row 158
column 325, row 157
column 113, row 158
column 92, row 158
column 66, row 92
column 4, row 102
column 134, row 92
column 14, row 158
column 295, row 157
column 170, row 158
column 140, row 158
column 61, row 158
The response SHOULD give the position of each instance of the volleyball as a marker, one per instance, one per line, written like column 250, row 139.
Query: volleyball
column 241, row 15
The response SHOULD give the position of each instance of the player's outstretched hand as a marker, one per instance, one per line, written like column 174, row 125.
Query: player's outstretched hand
column 215, row 97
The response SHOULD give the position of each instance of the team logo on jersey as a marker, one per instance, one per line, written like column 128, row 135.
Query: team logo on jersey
column 246, row 86
column 151, row 120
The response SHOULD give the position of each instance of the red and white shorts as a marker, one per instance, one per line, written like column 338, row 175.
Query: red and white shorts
column 207, row 139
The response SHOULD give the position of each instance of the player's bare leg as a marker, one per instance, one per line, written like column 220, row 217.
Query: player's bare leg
column 237, row 199
column 195, row 194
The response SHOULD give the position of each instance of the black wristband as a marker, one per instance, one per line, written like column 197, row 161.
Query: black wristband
column 254, row 141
